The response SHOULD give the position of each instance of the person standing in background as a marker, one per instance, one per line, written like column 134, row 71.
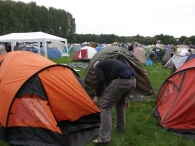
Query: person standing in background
column 131, row 47
column 184, row 53
column 8, row 47
column 158, row 50
column 192, row 47
column 16, row 47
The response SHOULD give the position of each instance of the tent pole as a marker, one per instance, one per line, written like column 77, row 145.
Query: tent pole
column 67, row 50
column 45, row 48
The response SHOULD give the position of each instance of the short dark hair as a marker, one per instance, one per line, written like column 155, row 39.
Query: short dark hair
column 189, row 50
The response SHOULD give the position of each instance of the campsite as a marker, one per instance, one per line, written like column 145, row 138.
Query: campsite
column 52, row 79
column 49, row 83
column 141, row 125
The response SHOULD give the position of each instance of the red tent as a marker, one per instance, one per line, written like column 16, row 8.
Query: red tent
column 85, row 53
column 175, row 104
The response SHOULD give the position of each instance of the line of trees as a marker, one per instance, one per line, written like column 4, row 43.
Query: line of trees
column 165, row 39
column 29, row 17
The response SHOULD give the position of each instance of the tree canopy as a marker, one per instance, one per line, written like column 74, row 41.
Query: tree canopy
column 29, row 17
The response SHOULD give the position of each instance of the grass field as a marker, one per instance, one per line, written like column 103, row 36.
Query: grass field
column 140, row 127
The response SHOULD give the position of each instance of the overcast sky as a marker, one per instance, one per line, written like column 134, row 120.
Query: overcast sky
column 129, row 18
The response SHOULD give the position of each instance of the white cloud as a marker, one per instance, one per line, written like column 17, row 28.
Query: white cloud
column 129, row 18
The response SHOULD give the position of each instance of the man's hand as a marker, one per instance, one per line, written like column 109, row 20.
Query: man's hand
column 95, row 99
column 127, row 104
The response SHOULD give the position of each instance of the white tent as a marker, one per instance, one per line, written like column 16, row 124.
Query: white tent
column 84, row 53
column 32, row 37
column 179, row 61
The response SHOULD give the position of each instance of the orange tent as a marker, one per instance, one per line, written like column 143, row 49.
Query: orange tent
column 175, row 104
column 43, row 103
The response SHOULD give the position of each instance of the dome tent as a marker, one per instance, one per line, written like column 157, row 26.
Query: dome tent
column 74, row 49
column 175, row 104
column 140, row 53
column 51, row 52
column 43, row 103
column 143, row 89
column 85, row 53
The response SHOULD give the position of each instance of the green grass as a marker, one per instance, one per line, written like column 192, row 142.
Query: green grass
column 140, row 126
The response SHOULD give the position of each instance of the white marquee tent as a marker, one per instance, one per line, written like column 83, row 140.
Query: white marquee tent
column 32, row 37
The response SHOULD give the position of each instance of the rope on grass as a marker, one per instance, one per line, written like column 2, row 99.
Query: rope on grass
column 155, row 70
column 147, row 117
column 150, row 113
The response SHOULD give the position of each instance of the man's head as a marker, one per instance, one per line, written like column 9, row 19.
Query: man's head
column 158, row 41
column 189, row 50
column 94, row 65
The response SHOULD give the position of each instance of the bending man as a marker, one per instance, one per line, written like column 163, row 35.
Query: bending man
column 121, row 80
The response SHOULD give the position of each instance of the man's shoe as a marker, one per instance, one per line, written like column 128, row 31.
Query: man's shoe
column 99, row 141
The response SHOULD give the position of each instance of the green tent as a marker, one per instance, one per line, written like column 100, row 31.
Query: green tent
column 74, row 49
column 143, row 90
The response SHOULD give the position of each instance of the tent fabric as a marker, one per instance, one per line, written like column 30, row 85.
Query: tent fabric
column 85, row 53
column 190, row 57
column 60, row 46
column 166, row 57
column 169, row 65
column 98, row 48
column 140, row 54
column 51, row 53
column 93, row 44
column 175, row 104
column 43, row 103
column 178, row 61
column 143, row 89
column 31, row 37
column 74, row 49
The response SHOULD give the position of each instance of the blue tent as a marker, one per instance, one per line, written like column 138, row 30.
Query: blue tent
column 98, row 48
column 51, row 52
column 64, row 50
column 31, row 49
column 190, row 57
